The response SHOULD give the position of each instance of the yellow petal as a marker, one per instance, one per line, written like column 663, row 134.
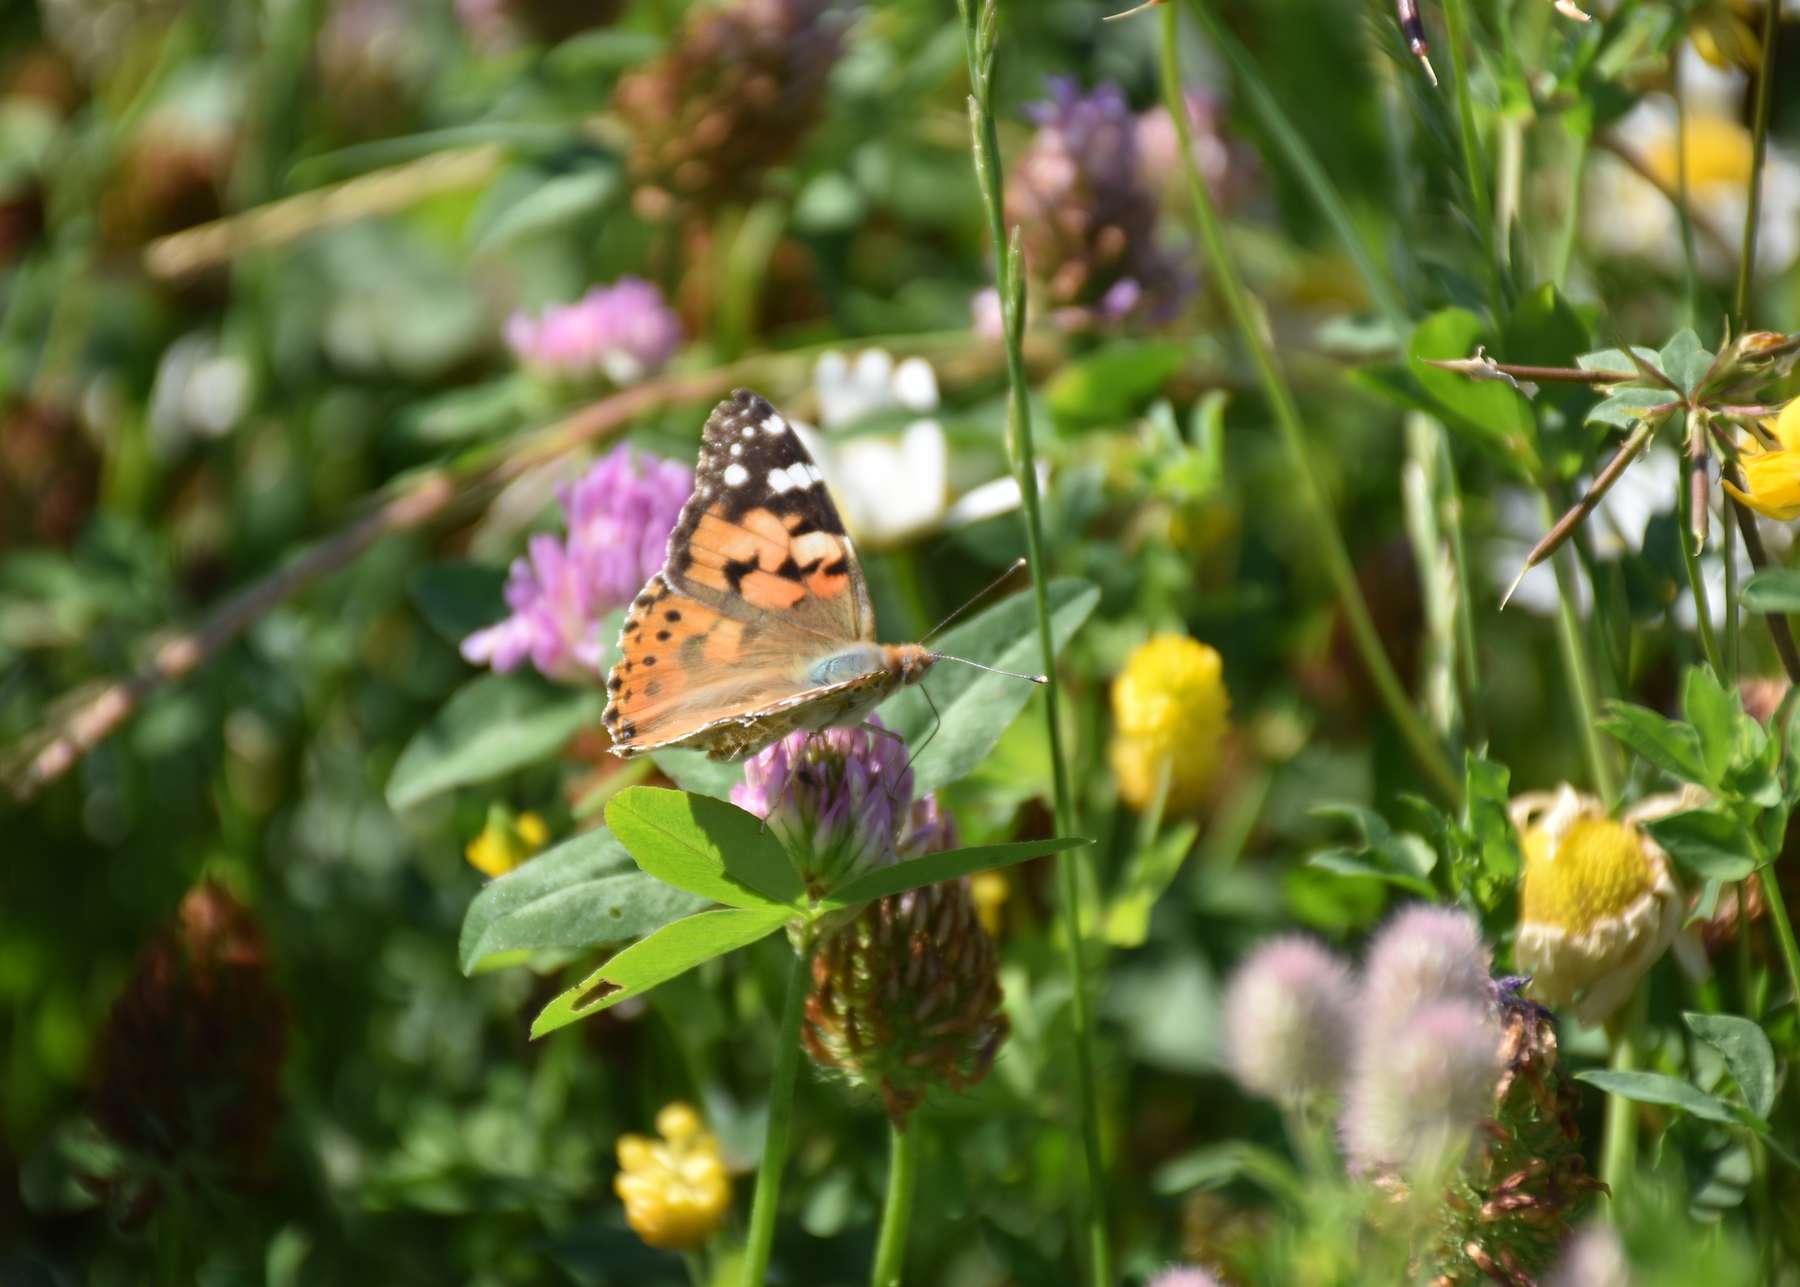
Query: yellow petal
column 1772, row 481
column 1787, row 425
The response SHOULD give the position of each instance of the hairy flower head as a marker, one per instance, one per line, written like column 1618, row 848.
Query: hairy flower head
column 1417, row 1091
column 1423, row 955
column 620, row 333
column 1288, row 1014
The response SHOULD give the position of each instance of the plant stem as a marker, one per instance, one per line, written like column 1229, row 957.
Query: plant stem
column 1579, row 124
column 896, row 1215
column 767, row 1203
column 1765, row 81
column 980, row 37
column 1577, row 669
column 1456, row 30
column 1618, row 1142
column 1314, row 501
column 1690, row 276
column 1778, row 912
column 1709, row 643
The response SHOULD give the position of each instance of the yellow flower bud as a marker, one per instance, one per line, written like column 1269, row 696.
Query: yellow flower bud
column 990, row 890
column 506, row 841
column 1598, row 904
column 1170, row 711
column 675, row 1189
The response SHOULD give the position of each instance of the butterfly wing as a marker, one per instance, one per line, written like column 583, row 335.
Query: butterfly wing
column 760, row 581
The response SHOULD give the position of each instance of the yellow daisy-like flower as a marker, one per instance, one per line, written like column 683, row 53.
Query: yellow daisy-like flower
column 1772, row 474
column 675, row 1189
column 506, row 841
column 1598, row 904
column 1170, row 710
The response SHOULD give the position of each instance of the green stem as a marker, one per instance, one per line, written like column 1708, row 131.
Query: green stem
column 1313, row 500
column 1765, row 81
column 1468, row 662
column 1579, row 123
column 980, row 38
column 1576, row 666
column 1729, row 542
column 1778, row 912
column 1690, row 275
column 1690, row 557
column 1618, row 1142
column 767, row 1203
column 1456, row 30
column 896, row 1216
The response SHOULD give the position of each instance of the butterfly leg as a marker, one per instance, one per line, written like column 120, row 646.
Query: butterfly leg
column 1412, row 27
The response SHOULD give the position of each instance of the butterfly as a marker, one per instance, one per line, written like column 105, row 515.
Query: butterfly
column 759, row 622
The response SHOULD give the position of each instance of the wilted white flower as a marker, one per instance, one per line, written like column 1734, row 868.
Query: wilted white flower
column 1287, row 1020
column 1627, row 216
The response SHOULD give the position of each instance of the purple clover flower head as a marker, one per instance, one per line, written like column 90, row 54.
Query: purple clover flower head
column 929, row 829
column 1422, row 955
column 1417, row 1092
column 835, row 799
column 1288, row 1012
column 619, row 516
column 622, row 333
column 1088, row 215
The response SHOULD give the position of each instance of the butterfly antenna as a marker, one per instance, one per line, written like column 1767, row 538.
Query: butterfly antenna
column 995, row 584
column 993, row 670
column 937, row 722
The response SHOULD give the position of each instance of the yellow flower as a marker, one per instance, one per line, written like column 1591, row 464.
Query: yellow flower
column 1718, row 151
column 1772, row 474
column 1170, row 710
column 990, row 890
column 506, row 841
column 675, row 1189
column 1598, row 904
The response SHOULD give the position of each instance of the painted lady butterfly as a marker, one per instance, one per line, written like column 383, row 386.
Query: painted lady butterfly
column 759, row 622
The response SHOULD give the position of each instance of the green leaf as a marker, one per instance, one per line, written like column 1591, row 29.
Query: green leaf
column 1674, row 748
column 1710, row 845
column 695, row 771
column 493, row 725
column 548, row 205
column 1113, row 383
column 1624, row 407
column 1501, row 416
column 1401, row 858
column 1747, row 1051
column 705, row 846
column 1616, row 360
column 457, row 599
column 1713, row 714
column 973, row 707
column 1773, row 590
column 931, row 869
column 674, row 949
column 1213, row 1166
column 1347, row 862
column 1147, row 876
column 1684, row 361
column 1655, row 1088
column 582, row 893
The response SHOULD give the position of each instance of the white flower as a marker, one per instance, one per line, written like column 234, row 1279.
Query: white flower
column 891, row 487
column 202, row 390
column 1627, row 216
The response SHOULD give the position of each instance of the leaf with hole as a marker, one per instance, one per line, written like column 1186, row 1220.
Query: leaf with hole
column 672, row 950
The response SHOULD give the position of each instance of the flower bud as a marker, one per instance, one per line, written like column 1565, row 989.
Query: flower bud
column 906, row 997
column 1288, row 1011
column 1598, row 904
column 1169, row 710
column 675, row 1189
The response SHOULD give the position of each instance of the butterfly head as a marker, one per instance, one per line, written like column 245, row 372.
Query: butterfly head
column 909, row 662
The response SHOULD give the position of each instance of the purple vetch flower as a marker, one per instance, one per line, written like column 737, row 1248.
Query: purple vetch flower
column 837, row 800
column 1088, row 216
column 1424, row 954
column 1417, row 1091
column 622, row 333
column 619, row 515
column 1288, row 1011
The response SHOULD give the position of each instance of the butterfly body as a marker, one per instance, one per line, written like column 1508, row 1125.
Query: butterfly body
column 759, row 622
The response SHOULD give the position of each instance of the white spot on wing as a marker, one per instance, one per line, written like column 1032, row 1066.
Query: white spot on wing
column 773, row 425
column 737, row 449
column 736, row 475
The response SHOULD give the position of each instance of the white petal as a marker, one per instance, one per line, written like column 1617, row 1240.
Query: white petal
column 915, row 385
